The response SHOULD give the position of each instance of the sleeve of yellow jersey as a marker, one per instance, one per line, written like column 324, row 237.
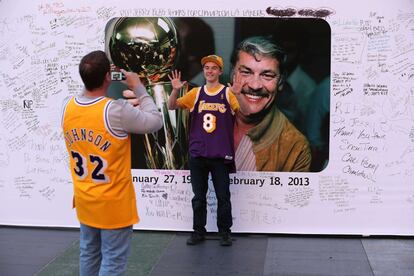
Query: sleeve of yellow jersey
column 234, row 104
column 187, row 101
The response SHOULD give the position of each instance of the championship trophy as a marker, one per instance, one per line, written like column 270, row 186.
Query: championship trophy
column 149, row 47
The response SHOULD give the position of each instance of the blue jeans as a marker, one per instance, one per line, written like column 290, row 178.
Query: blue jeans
column 200, row 167
column 104, row 251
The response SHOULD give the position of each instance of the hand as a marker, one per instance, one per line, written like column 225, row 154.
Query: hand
column 237, row 85
column 131, row 80
column 175, row 78
column 236, row 88
column 131, row 97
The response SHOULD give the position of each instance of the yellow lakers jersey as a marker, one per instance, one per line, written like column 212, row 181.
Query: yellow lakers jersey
column 100, row 160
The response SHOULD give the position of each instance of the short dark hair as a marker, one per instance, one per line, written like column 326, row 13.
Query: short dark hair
column 260, row 45
column 93, row 68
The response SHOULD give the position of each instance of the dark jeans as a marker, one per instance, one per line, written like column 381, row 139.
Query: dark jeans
column 199, row 170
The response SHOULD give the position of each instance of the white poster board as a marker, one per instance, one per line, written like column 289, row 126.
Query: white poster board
column 367, row 187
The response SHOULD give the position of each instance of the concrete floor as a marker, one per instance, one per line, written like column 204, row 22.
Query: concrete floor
column 45, row 251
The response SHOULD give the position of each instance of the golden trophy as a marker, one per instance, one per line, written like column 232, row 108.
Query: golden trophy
column 149, row 47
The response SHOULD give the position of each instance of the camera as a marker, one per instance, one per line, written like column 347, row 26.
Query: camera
column 117, row 76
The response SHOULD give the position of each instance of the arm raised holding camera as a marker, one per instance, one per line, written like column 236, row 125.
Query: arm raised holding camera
column 138, row 107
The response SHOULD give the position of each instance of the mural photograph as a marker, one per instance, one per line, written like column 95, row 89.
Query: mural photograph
column 288, row 132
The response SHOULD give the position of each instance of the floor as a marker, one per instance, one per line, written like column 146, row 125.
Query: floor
column 45, row 251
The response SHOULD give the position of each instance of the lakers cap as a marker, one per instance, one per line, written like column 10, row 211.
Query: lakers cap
column 213, row 58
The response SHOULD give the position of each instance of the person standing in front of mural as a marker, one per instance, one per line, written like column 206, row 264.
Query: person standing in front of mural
column 212, row 109
column 96, row 131
column 264, row 138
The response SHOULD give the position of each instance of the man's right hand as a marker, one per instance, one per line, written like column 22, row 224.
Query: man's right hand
column 132, row 80
column 177, row 84
column 175, row 78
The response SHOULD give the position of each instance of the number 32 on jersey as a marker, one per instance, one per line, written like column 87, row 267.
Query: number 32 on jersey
column 81, row 167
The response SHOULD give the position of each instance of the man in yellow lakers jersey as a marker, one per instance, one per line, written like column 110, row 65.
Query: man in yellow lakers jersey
column 96, row 131
column 212, row 109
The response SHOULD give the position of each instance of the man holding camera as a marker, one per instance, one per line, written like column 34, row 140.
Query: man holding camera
column 97, row 131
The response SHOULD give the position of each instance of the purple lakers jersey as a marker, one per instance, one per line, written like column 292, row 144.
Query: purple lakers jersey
column 211, row 125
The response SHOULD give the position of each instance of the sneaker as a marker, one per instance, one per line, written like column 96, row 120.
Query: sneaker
column 226, row 239
column 195, row 238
